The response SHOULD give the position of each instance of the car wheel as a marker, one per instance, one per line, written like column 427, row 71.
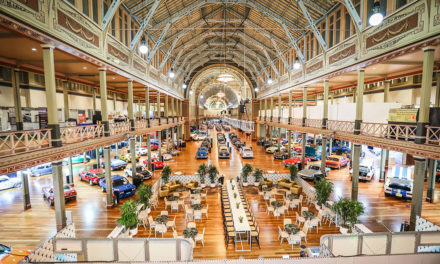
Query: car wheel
column 102, row 189
column 91, row 182
column 51, row 202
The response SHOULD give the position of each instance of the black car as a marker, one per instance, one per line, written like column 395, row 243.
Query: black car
column 267, row 144
column 226, row 128
column 281, row 155
column 238, row 144
column 261, row 141
column 206, row 143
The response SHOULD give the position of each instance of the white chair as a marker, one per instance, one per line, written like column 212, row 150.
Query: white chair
column 269, row 209
column 314, row 223
column 160, row 228
column 142, row 218
column 205, row 195
column 287, row 221
column 163, row 212
column 205, row 211
column 191, row 225
column 197, row 215
column 294, row 239
column 282, row 235
column 181, row 203
column 331, row 216
column 175, row 235
column 299, row 219
column 303, row 209
column 172, row 224
column 189, row 214
column 151, row 222
column 200, row 237
column 303, row 232
column 167, row 203
column 175, row 206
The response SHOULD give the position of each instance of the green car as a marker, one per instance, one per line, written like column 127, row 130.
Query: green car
column 79, row 158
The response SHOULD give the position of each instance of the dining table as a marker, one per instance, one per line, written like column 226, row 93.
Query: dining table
column 308, row 214
column 291, row 229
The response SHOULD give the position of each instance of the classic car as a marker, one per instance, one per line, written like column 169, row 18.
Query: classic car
column 313, row 172
column 153, row 147
column 218, row 127
column 336, row 161
column 121, row 184
column 156, row 163
column 69, row 193
column 295, row 161
column 239, row 144
column 246, row 153
column 399, row 182
column 267, row 144
column 140, row 151
column 206, row 143
column 261, row 141
column 221, row 140
column 202, row 153
column 7, row 182
column 167, row 156
column 116, row 164
column 79, row 158
column 274, row 149
column 340, row 149
column 127, row 157
column 311, row 152
column 366, row 171
column 141, row 172
column 227, row 128
column 223, row 152
column 92, row 176
column 281, row 155
column 40, row 170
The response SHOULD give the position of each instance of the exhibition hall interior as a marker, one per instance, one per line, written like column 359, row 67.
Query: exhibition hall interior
column 220, row 131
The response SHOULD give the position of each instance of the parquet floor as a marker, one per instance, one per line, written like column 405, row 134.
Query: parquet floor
column 27, row 229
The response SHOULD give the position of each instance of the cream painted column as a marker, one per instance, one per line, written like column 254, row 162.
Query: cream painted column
column 324, row 126
column 172, row 109
column 280, row 102
column 271, row 109
column 304, row 107
column 66, row 100
column 94, row 100
column 437, row 91
column 103, row 94
column 290, row 109
column 386, row 91
column 417, row 192
column 147, row 106
column 130, row 105
column 261, row 109
column 425, row 94
column 158, row 106
column 357, row 148
column 114, row 102
column 304, row 135
column 108, row 177
column 15, row 79
column 51, row 94
column 25, row 189
column 58, row 193
column 166, row 110
column 432, row 169
column 265, row 109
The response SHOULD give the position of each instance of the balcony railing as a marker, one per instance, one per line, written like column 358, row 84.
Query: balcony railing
column 22, row 141
column 119, row 127
column 80, row 133
column 342, row 126
column 314, row 123
column 432, row 135
column 247, row 126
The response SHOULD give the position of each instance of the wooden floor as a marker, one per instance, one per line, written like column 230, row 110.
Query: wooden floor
column 27, row 229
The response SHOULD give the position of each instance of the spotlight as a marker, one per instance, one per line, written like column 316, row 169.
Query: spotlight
column 256, row 89
column 269, row 80
column 376, row 18
column 171, row 73
column 184, row 86
column 34, row 49
column 143, row 48
column 296, row 65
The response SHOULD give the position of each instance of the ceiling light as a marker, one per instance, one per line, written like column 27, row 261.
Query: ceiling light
column 256, row 89
column 84, row 68
column 113, row 78
column 190, row 92
column 269, row 80
column 184, row 85
column 296, row 65
column 225, row 78
column 221, row 94
column 34, row 49
column 201, row 96
column 171, row 73
column 143, row 48
column 376, row 18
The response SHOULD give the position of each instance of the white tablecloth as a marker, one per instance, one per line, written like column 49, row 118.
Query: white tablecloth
column 237, row 212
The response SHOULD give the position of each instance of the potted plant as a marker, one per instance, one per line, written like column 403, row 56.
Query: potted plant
column 237, row 204
column 233, row 187
column 323, row 189
column 128, row 217
column 230, row 180
column 349, row 210
column 235, row 195
column 165, row 175
column 240, row 218
column 247, row 168
column 258, row 174
column 212, row 174
column 144, row 192
column 293, row 170
column 202, row 171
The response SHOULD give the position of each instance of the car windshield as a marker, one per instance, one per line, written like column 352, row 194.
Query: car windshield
column 139, row 169
column 100, row 174
column 400, row 186
column 314, row 167
column 67, row 188
column 120, row 182
column 332, row 159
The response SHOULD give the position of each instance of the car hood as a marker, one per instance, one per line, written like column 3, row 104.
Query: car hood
column 118, row 162
column 125, row 187
column 307, row 172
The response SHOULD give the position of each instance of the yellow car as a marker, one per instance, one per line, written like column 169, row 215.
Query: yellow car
column 293, row 145
column 127, row 157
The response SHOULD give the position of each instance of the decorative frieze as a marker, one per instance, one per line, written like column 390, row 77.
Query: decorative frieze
column 117, row 53
column 138, row 66
column 77, row 29
column 314, row 67
column 32, row 4
column 345, row 53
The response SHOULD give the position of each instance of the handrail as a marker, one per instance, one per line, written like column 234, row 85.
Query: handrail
column 24, row 140
column 81, row 133
column 247, row 126
column 433, row 135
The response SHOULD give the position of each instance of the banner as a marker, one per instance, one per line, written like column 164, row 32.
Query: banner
column 398, row 115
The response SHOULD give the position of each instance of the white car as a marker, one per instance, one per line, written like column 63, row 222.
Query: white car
column 399, row 182
column 223, row 152
column 366, row 171
column 141, row 151
column 167, row 157
column 7, row 183
column 246, row 152
column 274, row 149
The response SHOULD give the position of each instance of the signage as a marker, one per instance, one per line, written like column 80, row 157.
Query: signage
column 398, row 115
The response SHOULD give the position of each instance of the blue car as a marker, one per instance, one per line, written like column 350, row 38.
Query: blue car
column 120, row 183
column 339, row 148
column 40, row 170
column 116, row 164
column 202, row 153
column 79, row 158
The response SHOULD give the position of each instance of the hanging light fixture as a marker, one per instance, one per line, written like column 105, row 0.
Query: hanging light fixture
column 171, row 73
column 184, row 85
column 143, row 48
column 296, row 65
column 376, row 18
column 256, row 89
column 191, row 92
column 269, row 80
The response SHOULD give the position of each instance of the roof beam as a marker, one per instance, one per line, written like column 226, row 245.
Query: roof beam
column 141, row 6
column 280, row 54
column 162, row 35
column 353, row 13
column 110, row 13
column 315, row 7
column 269, row 60
column 312, row 24
column 168, row 54
column 177, row 58
column 144, row 24
column 295, row 45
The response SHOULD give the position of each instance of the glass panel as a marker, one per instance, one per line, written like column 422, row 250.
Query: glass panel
column 347, row 25
column 95, row 10
column 85, row 6
column 400, row 3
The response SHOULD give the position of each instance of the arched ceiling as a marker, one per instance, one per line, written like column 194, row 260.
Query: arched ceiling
column 248, row 34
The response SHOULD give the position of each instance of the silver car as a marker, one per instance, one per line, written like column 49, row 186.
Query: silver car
column 246, row 153
column 313, row 172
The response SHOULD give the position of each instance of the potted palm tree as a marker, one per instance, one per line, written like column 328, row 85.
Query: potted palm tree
column 144, row 193
column 349, row 210
column 258, row 174
column 293, row 170
column 212, row 174
column 323, row 189
column 247, row 168
column 165, row 174
column 202, row 171
column 128, row 217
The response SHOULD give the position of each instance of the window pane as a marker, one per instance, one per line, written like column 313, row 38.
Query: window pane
column 95, row 10
column 347, row 25
column 338, row 30
column 85, row 4
column 71, row 1
column 400, row 3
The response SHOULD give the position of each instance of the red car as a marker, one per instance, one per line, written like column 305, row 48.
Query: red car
column 152, row 147
column 69, row 193
column 336, row 161
column 157, row 164
column 295, row 161
column 92, row 176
